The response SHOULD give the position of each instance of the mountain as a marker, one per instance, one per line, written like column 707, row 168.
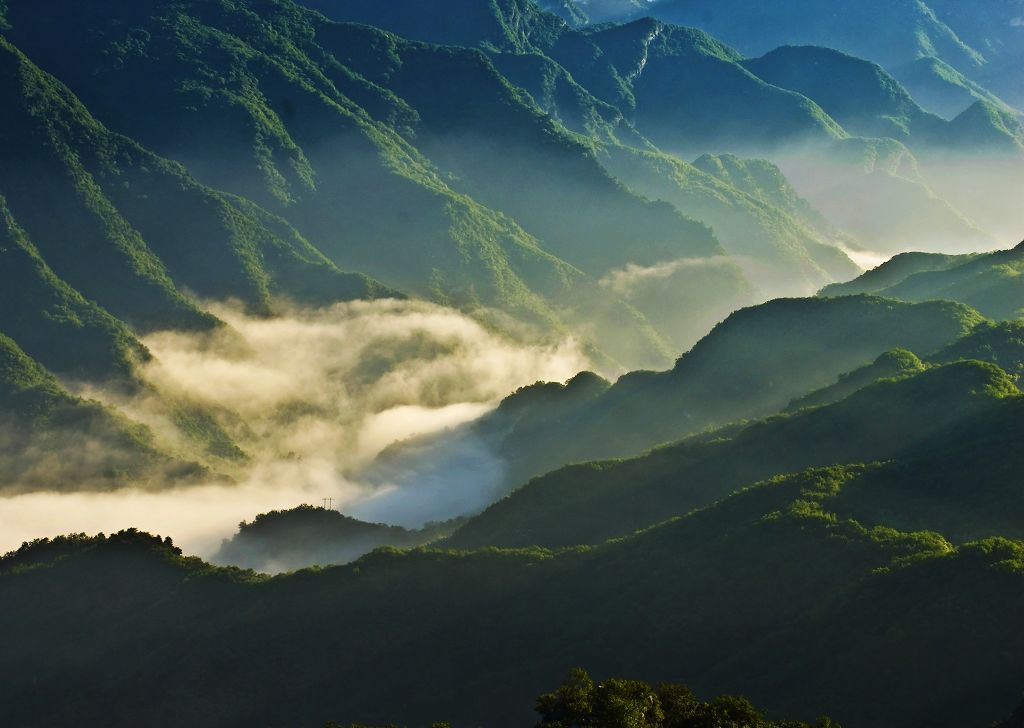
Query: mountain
column 988, row 282
column 303, row 536
column 328, row 140
column 568, row 10
column 589, row 81
column 941, row 89
column 894, row 364
column 644, row 68
column 876, row 626
column 766, row 183
column 981, row 42
column 781, row 244
column 893, row 271
column 889, row 33
column 40, row 123
column 689, row 93
column 938, row 425
column 979, row 148
column 658, row 68
column 581, row 12
column 999, row 343
column 209, row 212
column 994, row 28
column 901, row 203
column 129, row 230
column 989, row 127
column 887, row 420
column 867, row 101
column 510, row 156
column 54, row 322
column 736, row 372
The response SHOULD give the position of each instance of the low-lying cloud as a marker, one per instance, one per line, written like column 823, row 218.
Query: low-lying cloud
column 312, row 396
column 624, row 280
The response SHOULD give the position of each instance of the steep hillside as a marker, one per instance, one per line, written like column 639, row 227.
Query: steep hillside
column 287, row 118
column 51, row 440
column 559, row 95
column 941, row 89
column 598, row 11
column 995, row 29
column 128, row 229
column 41, row 125
column 766, row 183
column 588, row 81
column 52, row 321
column 778, row 247
column 570, row 11
column 689, row 93
column 656, row 71
column 510, row 156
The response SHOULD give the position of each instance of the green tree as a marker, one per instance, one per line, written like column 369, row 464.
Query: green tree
column 571, row 705
column 626, row 704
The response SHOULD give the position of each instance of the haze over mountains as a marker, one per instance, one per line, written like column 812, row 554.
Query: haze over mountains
column 668, row 338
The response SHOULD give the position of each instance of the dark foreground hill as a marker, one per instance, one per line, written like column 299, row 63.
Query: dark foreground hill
column 769, row 593
column 289, row 540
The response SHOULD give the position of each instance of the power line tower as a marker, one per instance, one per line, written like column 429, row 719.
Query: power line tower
column 328, row 503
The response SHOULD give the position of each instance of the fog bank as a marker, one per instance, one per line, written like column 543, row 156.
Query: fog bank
column 311, row 397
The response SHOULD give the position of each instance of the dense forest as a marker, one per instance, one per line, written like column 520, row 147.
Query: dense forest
column 407, row 362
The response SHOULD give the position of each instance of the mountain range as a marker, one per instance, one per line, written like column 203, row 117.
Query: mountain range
column 981, row 43
column 261, row 253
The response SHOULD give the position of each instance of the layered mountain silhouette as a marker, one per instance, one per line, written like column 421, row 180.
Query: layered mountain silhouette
column 388, row 211
column 776, row 569
column 737, row 372
column 981, row 43
column 989, row 282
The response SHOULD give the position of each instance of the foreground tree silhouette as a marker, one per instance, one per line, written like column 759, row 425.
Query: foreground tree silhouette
column 579, row 702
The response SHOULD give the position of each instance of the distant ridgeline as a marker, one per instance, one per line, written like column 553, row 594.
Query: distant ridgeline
column 945, row 51
column 989, row 282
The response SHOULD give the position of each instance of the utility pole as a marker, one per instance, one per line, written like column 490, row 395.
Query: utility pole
column 328, row 503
